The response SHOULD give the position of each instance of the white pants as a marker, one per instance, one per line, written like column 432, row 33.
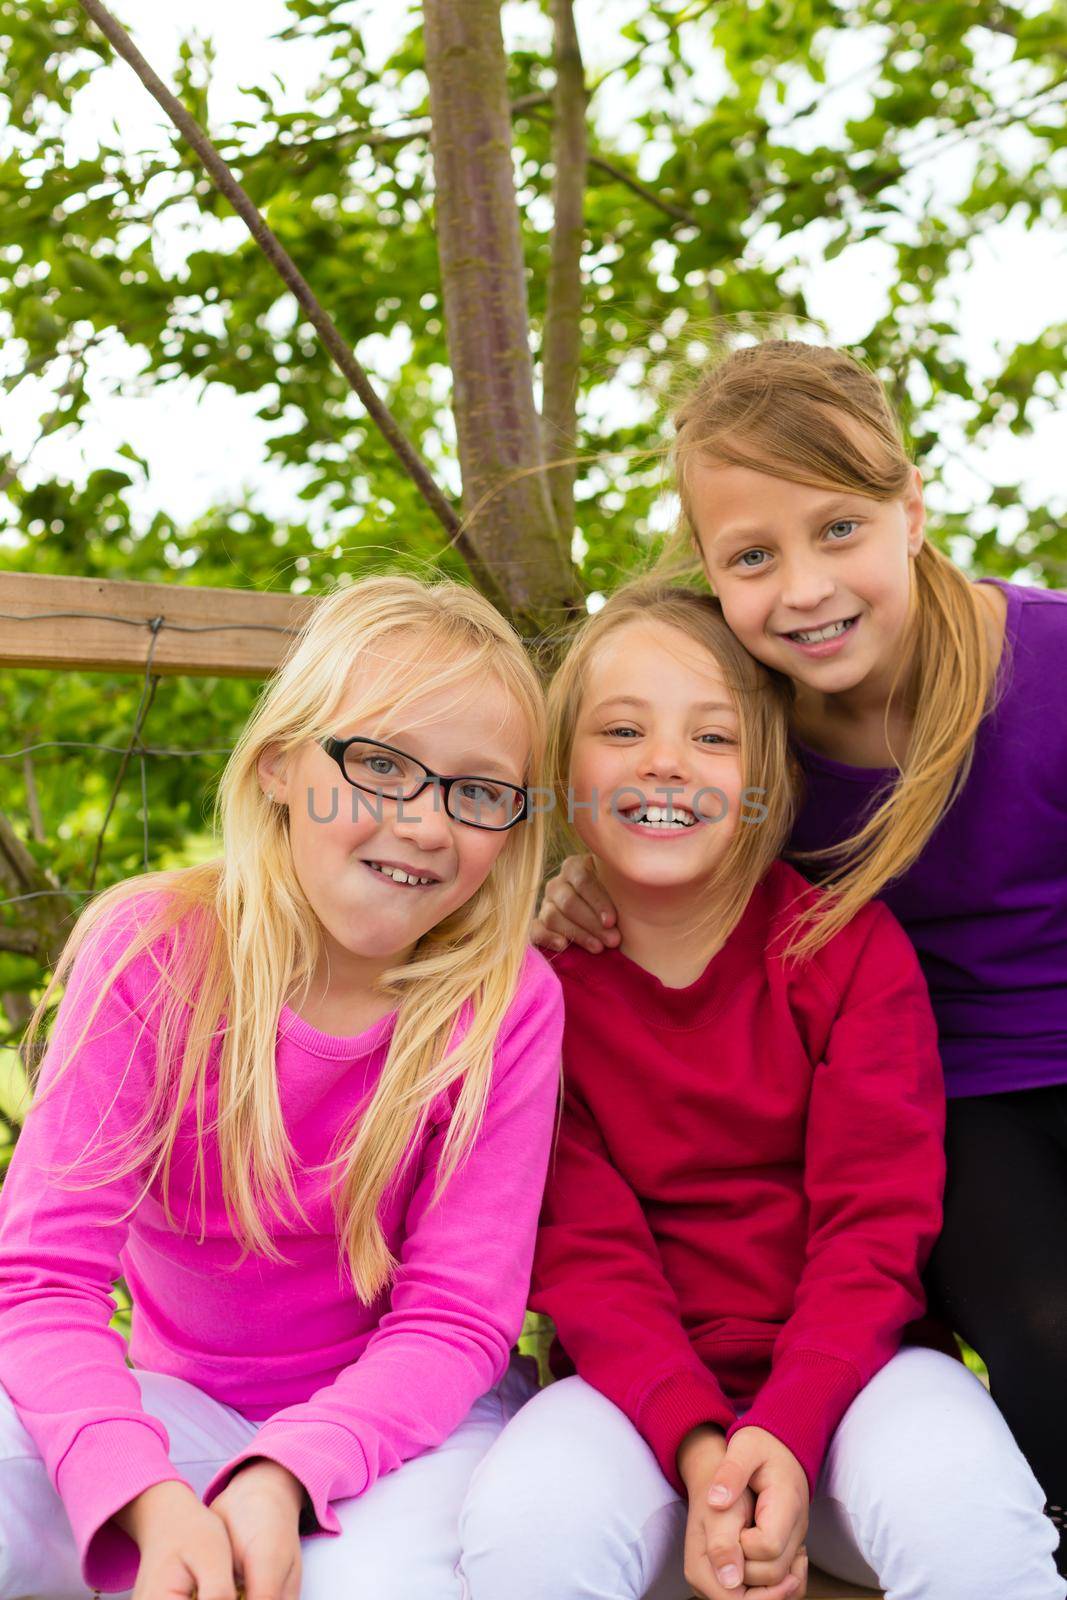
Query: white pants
column 924, row 1490
column 923, row 1486
column 399, row 1541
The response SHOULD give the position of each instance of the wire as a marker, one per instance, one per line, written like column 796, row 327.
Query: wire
column 114, row 749
column 133, row 622
column 134, row 745
column 148, row 694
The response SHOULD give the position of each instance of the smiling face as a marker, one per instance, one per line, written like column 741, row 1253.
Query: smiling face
column 658, row 728
column 814, row 582
column 349, row 846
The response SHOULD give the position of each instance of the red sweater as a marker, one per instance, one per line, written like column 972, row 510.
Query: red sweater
column 748, row 1178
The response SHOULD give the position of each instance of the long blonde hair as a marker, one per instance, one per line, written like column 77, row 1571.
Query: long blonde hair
column 762, row 700
column 249, row 937
column 784, row 407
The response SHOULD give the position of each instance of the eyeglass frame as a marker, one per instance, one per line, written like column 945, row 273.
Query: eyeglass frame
column 336, row 748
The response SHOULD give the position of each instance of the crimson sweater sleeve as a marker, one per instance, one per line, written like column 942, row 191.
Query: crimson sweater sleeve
column 457, row 1300
column 874, row 1178
column 63, row 1222
column 597, row 1274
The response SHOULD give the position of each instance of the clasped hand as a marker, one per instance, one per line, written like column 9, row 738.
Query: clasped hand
column 248, row 1537
column 748, row 1514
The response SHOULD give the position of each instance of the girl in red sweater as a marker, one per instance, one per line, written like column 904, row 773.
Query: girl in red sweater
column 747, row 1184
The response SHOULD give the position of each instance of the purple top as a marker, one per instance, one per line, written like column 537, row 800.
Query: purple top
column 985, row 904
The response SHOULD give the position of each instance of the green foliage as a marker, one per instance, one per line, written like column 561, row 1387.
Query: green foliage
column 719, row 101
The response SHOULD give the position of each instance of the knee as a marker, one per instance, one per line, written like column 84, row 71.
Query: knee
column 963, row 1517
column 955, row 1549
column 569, row 1501
column 942, row 1500
column 521, row 1530
column 569, row 1550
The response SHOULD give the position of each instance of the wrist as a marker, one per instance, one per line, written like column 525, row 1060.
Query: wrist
column 151, row 1506
column 272, row 1474
column 700, row 1452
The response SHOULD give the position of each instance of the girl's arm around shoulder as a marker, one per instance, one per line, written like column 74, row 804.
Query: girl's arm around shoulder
column 62, row 1225
column 874, row 1178
column 457, row 1300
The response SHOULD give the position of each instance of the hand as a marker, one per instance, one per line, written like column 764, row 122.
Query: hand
column 260, row 1509
column 185, row 1548
column 756, row 1462
column 575, row 907
column 715, row 1565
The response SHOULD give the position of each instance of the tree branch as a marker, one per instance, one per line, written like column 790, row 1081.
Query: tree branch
column 279, row 258
column 561, row 349
column 18, row 1009
column 692, row 14
column 620, row 175
column 361, row 133
column 946, row 139
column 43, row 907
column 12, row 1128
column 55, row 420
column 524, row 105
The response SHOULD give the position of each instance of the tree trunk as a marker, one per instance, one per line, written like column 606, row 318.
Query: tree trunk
column 508, row 509
column 43, row 915
column 561, row 353
column 17, row 1009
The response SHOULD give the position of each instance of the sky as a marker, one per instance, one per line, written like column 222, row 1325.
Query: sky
column 204, row 446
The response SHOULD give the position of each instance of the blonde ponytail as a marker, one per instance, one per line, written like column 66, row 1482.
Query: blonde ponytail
column 955, row 664
column 816, row 416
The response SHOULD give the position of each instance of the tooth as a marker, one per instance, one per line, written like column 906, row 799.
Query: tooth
column 820, row 635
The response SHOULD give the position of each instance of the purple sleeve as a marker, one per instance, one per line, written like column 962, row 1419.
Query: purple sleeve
column 60, row 1362
column 457, row 1301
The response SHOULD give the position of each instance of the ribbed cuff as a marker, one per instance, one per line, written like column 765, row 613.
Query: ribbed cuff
column 108, row 1464
column 801, row 1403
column 329, row 1461
column 676, row 1404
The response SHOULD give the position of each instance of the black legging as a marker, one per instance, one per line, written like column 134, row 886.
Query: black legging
column 998, row 1274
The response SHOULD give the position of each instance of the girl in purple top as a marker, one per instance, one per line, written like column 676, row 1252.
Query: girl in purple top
column 931, row 732
column 302, row 1098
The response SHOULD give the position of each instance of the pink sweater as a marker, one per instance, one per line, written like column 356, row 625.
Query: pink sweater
column 346, row 1391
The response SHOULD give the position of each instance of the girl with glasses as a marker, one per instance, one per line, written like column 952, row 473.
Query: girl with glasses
column 301, row 1097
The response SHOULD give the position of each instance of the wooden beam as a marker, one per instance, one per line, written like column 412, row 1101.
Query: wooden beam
column 108, row 626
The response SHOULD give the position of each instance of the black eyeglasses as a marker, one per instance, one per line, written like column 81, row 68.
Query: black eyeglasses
column 383, row 770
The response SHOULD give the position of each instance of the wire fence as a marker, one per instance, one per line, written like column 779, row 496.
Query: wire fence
column 135, row 753
column 135, row 750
